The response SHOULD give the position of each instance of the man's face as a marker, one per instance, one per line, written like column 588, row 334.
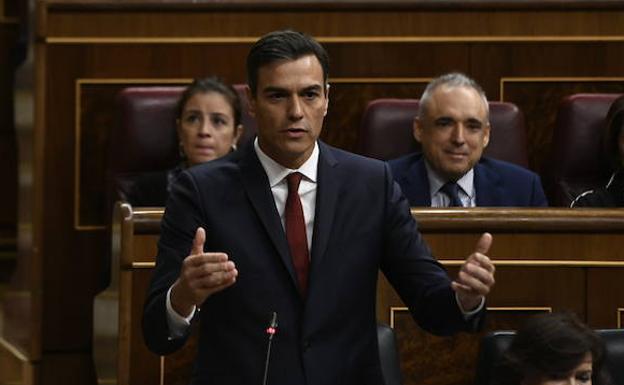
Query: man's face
column 454, row 131
column 289, row 106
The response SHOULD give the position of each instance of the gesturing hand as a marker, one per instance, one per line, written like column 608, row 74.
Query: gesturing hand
column 476, row 276
column 202, row 275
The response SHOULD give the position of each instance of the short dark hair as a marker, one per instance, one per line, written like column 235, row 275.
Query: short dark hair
column 283, row 45
column 211, row 84
column 614, row 122
column 552, row 345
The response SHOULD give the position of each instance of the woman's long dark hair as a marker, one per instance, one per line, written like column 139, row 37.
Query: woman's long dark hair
column 551, row 345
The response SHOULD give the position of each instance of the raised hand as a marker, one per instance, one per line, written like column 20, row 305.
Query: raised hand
column 202, row 275
column 476, row 276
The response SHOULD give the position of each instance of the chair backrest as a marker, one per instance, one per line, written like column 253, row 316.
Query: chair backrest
column 614, row 341
column 386, row 131
column 494, row 345
column 577, row 161
column 145, row 139
column 388, row 355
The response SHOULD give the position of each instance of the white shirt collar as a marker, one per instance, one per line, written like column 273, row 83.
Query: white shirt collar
column 466, row 182
column 276, row 172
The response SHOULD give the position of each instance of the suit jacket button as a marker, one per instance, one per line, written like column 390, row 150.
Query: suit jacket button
column 305, row 345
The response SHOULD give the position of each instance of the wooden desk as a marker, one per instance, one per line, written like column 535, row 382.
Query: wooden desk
column 547, row 260
column 135, row 235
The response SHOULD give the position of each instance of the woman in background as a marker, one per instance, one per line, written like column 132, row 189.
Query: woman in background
column 208, row 124
column 611, row 195
column 554, row 349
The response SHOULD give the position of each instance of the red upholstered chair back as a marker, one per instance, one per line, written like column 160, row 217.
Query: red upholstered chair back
column 577, row 161
column 386, row 131
column 145, row 137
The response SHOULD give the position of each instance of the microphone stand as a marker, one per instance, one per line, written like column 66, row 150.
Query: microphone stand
column 271, row 330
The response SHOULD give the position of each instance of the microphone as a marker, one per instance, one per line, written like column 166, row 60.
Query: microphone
column 271, row 330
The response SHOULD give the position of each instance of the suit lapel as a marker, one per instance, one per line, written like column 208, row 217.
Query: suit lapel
column 416, row 183
column 328, row 185
column 256, row 185
column 487, row 186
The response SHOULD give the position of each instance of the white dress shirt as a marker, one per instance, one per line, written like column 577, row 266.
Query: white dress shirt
column 467, row 193
column 307, row 188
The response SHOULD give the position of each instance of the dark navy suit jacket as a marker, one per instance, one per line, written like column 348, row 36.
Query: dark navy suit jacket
column 497, row 183
column 362, row 223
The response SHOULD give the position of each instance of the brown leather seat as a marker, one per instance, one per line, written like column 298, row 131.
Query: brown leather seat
column 386, row 131
column 577, row 161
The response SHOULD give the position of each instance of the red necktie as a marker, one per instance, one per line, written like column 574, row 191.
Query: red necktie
column 296, row 231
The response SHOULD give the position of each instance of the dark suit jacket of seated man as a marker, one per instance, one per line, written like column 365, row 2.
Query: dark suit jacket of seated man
column 496, row 183
column 360, row 223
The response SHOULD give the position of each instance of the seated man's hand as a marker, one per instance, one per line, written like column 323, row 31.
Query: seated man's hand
column 476, row 276
column 202, row 275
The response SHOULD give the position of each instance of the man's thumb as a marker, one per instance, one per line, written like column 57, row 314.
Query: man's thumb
column 198, row 242
column 484, row 243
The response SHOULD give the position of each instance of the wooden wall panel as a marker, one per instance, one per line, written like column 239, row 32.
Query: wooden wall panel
column 537, row 270
column 606, row 304
column 536, row 279
column 68, row 21
column 8, row 147
column 519, row 292
column 431, row 360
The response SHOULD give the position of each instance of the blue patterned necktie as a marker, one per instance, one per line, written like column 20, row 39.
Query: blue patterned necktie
column 451, row 189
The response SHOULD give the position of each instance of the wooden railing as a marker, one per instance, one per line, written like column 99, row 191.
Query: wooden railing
column 547, row 260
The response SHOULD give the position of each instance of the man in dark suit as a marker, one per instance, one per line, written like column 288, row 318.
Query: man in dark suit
column 296, row 228
column 453, row 128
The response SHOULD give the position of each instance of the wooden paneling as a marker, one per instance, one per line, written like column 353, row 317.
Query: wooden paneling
column 63, row 21
column 606, row 307
column 547, row 260
column 15, row 368
column 86, row 50
column 432, row 360
column 68, row 368
column 136, row 364
column 8, row 146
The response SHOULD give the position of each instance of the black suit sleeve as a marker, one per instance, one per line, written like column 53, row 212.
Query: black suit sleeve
column 420, row 280
column 181, row 219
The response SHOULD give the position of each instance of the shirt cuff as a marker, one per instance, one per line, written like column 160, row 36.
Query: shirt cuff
column 469, row 314
column 178, row 325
